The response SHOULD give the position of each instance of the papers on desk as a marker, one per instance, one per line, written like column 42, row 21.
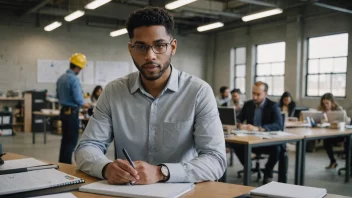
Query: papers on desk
column 265, row 135
column 59, row 195
column 157, row 190
column 348, row 126
column 21, row 163
column 276, row 189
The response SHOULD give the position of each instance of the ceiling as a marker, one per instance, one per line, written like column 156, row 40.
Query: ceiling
column 114, row 14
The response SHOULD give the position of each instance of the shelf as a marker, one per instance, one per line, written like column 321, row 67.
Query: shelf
column 18, row 123
column 2, row 98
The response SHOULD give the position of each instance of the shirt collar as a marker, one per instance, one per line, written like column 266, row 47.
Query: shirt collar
column 172, row 83
column 261, row 104
column 69, row 71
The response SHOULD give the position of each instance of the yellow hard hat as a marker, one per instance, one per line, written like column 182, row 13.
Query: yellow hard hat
column 79, row 60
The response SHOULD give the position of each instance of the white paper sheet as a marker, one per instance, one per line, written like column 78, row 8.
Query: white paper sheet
column 59, row 195
column 21, row 163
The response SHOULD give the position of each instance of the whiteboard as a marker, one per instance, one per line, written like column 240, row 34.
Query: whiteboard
column 107, row 71
column 48, row 71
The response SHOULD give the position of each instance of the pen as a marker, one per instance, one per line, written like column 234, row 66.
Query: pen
column 33, row 168
column 128, row 159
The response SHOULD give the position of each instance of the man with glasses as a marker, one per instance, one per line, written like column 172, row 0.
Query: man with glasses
column 166, row 119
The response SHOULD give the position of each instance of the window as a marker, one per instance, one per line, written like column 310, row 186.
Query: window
column 240, row 69
column 327, row 65
column 270, row 66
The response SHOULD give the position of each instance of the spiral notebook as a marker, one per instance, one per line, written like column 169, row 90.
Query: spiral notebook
column 11, row 184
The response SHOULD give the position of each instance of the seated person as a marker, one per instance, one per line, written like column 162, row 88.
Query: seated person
column 96, row 93
column 261, row 114
column 224, row 97
column 166, row 119
column 287, row 104
column 327, row 104
column 236, row 101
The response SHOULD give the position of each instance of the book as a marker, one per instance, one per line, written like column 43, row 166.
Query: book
column 26, row 184
column 157, row 190
column 276, row 189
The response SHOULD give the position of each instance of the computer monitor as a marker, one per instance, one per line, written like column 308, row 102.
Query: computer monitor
column 227, row 115
column 315, row 115
column 336, row 116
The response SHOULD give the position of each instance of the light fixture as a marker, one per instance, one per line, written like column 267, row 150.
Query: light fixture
column 97, row 3
column 177, row 4
column 52, row 26
column 261, row 14
column 74, row 15
column 209, row 26
column 118, row 32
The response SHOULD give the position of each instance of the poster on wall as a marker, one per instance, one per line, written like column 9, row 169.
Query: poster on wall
column 107, row 71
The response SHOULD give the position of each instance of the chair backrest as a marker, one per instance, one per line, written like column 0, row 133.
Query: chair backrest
column 298, row 110
column 284, row 119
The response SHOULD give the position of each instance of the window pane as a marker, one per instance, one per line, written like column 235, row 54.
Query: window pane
column 278, row 85
column 312, row 85
column 324, row 84
column 340, row 64
column 325, row 65
column 328, row 46
column 240, row 55
column 278, row 68
column 240, row 71
column 240, row 84
column 268, row 80
column 313, row 66
column 339, row 85
column 274, row 52
column 263, row 69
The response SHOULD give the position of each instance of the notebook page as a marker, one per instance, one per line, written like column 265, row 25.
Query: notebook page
column 34, row 180
column 157, row 190
column 21, row 163
column 59, row 195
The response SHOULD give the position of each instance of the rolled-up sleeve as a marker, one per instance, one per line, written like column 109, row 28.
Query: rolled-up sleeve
column 209, row 143
column 92, row 147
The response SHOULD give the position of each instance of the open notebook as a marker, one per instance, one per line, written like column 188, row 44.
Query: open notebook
column 36, row 180
column 157, row 190
column 276, row 189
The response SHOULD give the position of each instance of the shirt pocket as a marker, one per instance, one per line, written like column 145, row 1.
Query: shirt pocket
column 176, row 134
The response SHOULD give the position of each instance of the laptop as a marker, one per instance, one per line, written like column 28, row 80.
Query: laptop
column 315, row 115
column 227, row 115
column 336, row 116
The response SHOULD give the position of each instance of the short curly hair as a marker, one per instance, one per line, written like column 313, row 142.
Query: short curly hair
column 149, row 16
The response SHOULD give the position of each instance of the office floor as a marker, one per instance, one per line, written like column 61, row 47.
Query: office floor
column 316, row 175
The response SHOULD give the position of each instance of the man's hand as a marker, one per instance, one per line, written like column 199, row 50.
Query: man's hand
column 242, row 126
column 252, row 128
column 148, row 174
column 120, row 172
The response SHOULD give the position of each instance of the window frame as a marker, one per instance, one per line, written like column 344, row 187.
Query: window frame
column 328, row 73
column 235, row 66
column 256, row 65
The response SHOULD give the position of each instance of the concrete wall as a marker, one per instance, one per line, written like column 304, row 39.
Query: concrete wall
column 23, row 44
column 294, row 31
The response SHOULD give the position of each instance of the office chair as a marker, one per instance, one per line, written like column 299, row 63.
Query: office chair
column 283, row 160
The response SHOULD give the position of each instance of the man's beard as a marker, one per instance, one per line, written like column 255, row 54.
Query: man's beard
column 161, row 72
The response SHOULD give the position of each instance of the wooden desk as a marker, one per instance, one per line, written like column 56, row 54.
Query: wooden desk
column 250, row 142
column 205, row 189
column 322, row 133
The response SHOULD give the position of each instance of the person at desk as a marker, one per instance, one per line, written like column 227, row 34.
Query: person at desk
column 327, row 104
column 166, row 119
column 94, row 98
column 224, row 97
column 236, row 101
column 287, row 104
column 70, row 95
column 261, row 114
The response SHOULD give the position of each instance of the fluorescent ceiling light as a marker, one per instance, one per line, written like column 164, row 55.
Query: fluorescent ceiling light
column 118, row 32
column 74, row 15
column 52, row 26
column 261, row 14
column 209, row 26
column 97, row 3
column 177, row 4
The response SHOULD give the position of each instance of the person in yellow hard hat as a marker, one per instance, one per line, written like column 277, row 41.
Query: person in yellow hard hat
column 70, row 95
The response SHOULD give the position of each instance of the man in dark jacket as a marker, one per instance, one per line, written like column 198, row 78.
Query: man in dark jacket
column 261, row 114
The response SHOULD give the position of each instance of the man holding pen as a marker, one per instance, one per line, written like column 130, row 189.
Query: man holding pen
column 166, row 119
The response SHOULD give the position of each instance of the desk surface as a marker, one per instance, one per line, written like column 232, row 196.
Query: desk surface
column 205, row 189
column 296, row 124
column 317, row 132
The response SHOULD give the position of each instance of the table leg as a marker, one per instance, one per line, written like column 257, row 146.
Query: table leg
column 247, row 164
column 298, row 162
column 303, row 161
column 348, row 159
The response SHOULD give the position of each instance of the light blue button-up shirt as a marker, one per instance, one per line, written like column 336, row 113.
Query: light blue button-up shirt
column 69, row 90
column 180, row 128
